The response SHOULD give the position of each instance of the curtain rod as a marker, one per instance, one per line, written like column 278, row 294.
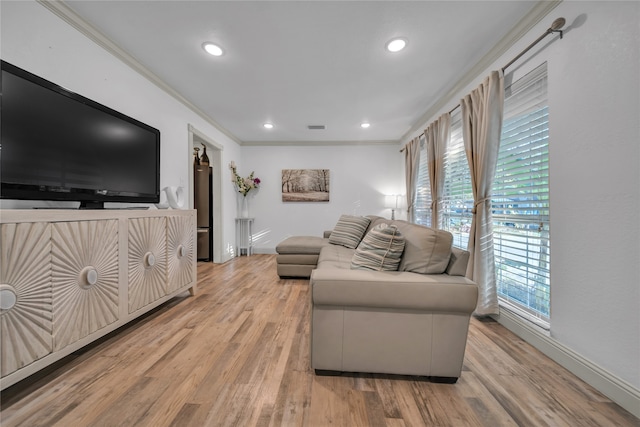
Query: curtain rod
column 422, row 134
column 554, row 28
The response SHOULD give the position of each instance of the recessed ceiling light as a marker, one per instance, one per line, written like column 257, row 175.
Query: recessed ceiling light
column 268, row 125
column 396, row 45
column 364, row 125
column 212, row 49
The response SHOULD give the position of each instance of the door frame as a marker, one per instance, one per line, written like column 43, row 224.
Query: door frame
column 214, row 151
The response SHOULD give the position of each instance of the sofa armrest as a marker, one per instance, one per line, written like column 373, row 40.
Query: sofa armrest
column 393, row 290
column 327, row 234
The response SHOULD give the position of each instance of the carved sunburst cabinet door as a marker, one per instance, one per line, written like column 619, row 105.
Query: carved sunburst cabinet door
column 25, row 294
column 147, row 261
column 84, row 277
column 180, row 247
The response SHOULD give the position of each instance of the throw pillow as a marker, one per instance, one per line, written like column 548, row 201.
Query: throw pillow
column 349, row 231
column 427, row 250
column 380, row 250
column 375, row 220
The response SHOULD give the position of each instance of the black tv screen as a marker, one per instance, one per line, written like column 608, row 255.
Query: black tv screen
column 58, row 145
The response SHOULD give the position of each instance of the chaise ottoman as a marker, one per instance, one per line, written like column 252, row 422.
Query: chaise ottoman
column 298, row 255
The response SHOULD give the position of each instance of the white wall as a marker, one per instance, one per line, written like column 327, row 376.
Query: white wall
column 594, row 133
column 594, row 97
column 595, row 188
column 35, row 39
column 360, row 176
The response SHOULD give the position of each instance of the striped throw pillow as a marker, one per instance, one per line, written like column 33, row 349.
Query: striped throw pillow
column 349, row 231
column 380, row 250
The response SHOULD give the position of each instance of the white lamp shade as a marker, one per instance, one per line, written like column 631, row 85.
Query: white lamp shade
column 391, row 201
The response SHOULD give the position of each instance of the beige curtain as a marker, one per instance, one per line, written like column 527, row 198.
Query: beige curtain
column 411, row 164
column 437, row 139
column 481, row 127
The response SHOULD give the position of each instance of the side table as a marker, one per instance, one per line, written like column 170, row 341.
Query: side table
column 244, row 236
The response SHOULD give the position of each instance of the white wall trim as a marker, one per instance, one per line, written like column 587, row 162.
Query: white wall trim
column 616, row 389
column 215, row 152
column 318, row 143
column 265, row 251
column 60, row 9
column 539, row 11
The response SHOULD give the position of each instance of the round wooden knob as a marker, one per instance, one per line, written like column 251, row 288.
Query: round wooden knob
column 149, row 260
column 8, row 297
column 88, row 277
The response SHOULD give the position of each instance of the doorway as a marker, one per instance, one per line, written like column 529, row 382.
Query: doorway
column 214, row 151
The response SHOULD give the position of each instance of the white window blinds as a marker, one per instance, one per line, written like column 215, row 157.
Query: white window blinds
column 423, row 189
column 520, row 200
column 457, row 198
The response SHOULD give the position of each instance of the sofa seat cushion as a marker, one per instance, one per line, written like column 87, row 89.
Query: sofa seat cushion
column 301, row 245
column 335, row 256
column 393, row 290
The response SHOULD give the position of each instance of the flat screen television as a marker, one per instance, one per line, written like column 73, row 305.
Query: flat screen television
column 58, row 145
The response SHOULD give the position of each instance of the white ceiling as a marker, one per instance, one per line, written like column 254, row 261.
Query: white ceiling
column 300, row 63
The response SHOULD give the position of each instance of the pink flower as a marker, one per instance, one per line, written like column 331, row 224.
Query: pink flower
column 243, row 185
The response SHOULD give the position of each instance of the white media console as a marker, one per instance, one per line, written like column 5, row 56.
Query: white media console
column 69, row 277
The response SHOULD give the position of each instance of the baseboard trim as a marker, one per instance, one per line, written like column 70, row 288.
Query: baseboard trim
column 268, row 251
column 616, row 389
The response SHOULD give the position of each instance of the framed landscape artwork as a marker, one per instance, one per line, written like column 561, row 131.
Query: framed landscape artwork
column 305, row 185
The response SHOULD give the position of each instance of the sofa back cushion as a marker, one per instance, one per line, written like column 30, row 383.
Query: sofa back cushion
column 375, row 220
column 427, row 250
column 458, row 262
column 349, row 231
column 380, row 250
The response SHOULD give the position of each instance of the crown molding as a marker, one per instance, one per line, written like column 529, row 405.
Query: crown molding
column 316, row 143
column 60, row 9
column 537, row 13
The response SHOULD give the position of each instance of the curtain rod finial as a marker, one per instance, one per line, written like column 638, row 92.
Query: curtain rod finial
column 557, row 24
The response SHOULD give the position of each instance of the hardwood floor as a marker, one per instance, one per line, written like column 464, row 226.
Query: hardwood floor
column 237, row 354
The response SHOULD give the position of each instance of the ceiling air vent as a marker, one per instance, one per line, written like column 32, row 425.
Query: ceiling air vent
column 316, row 127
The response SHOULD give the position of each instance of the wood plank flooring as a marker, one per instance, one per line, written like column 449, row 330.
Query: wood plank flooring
column 237, row 354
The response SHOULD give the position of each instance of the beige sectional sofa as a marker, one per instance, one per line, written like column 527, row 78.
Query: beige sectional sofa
column 413, row 321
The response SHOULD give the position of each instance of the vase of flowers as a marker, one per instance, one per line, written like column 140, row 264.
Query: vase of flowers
column 244, row 187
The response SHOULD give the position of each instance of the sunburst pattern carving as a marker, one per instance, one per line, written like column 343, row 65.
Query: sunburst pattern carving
column 84, row 278
column 147, row 261
column 180, row 243
column 25, row 323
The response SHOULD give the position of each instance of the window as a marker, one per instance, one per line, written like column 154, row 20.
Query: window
column 422, row 208
column 520, row 199
column 457, row 197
